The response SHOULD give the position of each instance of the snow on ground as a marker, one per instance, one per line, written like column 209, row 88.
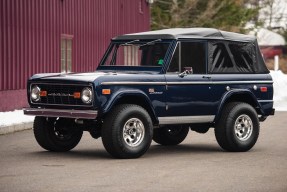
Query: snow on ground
column 280, row 90
column 14, row 117
column 280, row 102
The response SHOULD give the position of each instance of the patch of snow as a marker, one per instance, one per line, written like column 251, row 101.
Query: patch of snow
column 280, row 90
column 14, row 117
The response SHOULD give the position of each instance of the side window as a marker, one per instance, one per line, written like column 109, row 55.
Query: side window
column 230, row 57
column 189, row 56
column 242, row 54
column 193, row 57
column 153, row 55
column 221, row 61
column 66, row 53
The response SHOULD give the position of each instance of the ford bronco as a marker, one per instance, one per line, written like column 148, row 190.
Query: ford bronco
column 157, row 86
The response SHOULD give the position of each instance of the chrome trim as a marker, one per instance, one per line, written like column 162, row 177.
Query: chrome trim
column 132, row 83
column 217, row 82
column 45, row 104
column 186, row 119
column 179, row 56
column 265, row 101
column 78, row 114
column 62, row 84
column 185, row 83
column 241, row 82
column 190, row 83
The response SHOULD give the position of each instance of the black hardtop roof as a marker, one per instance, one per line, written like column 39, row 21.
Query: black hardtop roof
column 187, row 33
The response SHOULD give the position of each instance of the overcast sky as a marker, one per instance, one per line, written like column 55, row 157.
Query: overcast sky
column 279, row 14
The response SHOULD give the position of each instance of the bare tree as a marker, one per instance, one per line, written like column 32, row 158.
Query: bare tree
column 273, row 12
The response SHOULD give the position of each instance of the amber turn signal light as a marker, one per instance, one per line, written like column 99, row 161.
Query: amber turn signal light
column 77, row 95
column 43, row 93
column 106, row 91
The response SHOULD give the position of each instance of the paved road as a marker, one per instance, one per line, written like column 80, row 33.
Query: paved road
column 198, row 164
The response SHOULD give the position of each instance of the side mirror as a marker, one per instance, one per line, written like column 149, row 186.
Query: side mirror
column 187, row 70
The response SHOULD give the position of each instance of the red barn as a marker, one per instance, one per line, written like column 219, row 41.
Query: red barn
column 46, row 36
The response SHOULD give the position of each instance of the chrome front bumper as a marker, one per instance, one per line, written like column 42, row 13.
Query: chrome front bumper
column 77, row 114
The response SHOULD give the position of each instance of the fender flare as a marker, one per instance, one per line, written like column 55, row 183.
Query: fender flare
column 232, row 93
column 120, row 94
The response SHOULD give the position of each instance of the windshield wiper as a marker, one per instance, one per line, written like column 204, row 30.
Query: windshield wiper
column 151, row 42
column 130, row 42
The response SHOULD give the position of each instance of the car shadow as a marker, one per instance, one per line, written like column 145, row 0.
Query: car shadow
column 75, row 154
column 154, row 151
column 184, row 149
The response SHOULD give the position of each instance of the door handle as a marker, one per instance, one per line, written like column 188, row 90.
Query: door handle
column 206, row 77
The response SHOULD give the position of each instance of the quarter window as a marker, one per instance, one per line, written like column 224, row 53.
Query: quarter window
column 243, row 55
column 221, row 61
column 231, row 57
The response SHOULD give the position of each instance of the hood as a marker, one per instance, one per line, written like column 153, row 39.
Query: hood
column 86, row 77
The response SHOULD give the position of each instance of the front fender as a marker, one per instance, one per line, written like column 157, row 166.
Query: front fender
column 115, row 98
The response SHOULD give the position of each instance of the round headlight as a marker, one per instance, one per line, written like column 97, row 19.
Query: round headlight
column 35, row 93
column 87, row 95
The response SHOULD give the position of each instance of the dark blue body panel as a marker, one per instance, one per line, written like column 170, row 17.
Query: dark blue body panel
column 189, row 96
column 136, row 85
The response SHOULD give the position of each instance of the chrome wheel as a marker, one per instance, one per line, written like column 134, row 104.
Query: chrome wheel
column 127, row 131
column 133, row 132
column 243, row 127
column 238, row 128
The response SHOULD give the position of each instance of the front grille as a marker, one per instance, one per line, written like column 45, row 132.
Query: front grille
column 60, row 94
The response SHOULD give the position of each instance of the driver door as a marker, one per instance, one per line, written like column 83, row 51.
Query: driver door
column 188, row 96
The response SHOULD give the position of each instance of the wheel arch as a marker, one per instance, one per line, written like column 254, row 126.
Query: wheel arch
column 241, row 95
column 136, row 97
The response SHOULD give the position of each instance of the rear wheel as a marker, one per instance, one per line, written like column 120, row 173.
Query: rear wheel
column 238, row 127
column 170, row 135
column 127, row 131
column 56, row 134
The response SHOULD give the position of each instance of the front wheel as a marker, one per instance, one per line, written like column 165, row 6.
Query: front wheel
column 170, row 135
column 238, row 127
column 56, row 134
column 127, row 131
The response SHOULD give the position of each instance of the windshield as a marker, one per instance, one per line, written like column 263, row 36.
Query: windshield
column 137, row 53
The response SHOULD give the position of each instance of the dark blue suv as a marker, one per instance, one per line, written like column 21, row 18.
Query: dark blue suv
column 157, row 86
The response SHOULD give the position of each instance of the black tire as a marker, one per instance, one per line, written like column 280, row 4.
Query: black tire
column 56, row 135
column 238, row 127
column 127, row 131
column 200, row 128
column 170, row 135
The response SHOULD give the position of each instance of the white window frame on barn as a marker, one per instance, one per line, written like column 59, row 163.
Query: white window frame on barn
column 66, row 53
